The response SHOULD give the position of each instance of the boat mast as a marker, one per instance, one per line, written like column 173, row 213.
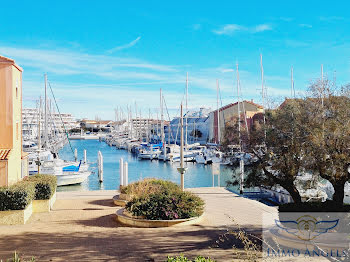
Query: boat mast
column 182, row 169
column 39, row 135
column 162, row 123
column 46, row 139
column 292, row 91
column 217, row 106
column 148, row 125
column 239, row 111
column 322, row 94
column 186, row 108
column 263, row 95
column 136, row 124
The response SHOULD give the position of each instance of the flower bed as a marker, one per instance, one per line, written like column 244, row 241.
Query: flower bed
column 155, row 203
column 147, row 186
column 166, row 205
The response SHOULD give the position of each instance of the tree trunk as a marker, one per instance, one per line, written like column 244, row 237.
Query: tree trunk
column 338, row 195
column 293, row 191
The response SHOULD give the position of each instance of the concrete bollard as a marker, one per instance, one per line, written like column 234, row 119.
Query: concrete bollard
column 121, row 169
column 125, row 173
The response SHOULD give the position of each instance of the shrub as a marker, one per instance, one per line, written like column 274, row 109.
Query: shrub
column 166, row 205
column 17, row 196
column 181, row 258
column 149, row 186
column 45, row 186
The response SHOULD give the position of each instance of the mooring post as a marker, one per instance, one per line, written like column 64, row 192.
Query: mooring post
column 85, row 159
column 76, row 154
column 125, row 173
column 100, row 166
column 121, row 168
column 241, row 170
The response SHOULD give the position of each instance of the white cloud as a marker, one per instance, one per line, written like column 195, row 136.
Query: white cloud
column 118, row 48
column 196, row 27
column 261, row 28
column 67, row 62
column 296, row 43
column 230, row 29
column 305, row 25
column 286, row 19
column 331, row 18
column 88, row 84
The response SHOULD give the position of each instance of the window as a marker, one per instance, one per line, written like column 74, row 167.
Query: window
column 17, row 89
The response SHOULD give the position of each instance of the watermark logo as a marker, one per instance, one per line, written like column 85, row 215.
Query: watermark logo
column 307, row 227
column 311, row 234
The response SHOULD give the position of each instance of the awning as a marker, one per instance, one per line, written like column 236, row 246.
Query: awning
column 4, row 153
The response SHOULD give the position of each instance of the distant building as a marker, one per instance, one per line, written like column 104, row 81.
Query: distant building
column 197, row 127
column 96, row 124
column 57, row 123
column 13, row 162
column 229, row 114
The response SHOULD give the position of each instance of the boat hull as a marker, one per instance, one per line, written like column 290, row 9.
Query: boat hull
column 72, row 179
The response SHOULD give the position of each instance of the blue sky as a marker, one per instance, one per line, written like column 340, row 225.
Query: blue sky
column 101, row 55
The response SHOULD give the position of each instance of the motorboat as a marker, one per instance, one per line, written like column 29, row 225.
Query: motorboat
column 151, row 151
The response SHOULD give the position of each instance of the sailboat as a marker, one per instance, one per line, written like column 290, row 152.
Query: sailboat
column 154, row 150
column 43, row 161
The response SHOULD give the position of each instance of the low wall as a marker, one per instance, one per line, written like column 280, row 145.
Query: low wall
column 40, row 206
column 16, row 217
column 126, row 219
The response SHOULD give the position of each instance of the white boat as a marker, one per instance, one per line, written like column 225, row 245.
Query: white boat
column 72, row 178
column 45, row 155
column 203, row 158
column 55, row 167
column 149, row 152
column 29, row 146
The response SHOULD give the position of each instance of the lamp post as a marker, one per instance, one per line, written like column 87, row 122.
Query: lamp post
column 182, row 169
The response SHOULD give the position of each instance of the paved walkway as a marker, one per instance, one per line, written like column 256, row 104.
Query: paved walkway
column 82, row 227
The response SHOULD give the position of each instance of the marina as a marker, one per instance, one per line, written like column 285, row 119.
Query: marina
column 174, row 132
column 197, row 175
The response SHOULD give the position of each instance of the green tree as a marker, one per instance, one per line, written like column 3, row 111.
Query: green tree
column 328, row 146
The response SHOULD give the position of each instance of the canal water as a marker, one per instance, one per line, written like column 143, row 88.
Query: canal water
column 197, row 175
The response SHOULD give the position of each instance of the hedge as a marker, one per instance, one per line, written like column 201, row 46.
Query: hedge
column 45, row 186
column 17, row 197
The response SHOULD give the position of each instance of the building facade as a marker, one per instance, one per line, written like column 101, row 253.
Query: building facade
column 196, row 124
column 57, row 123
column 13, row 162
column 228, row 115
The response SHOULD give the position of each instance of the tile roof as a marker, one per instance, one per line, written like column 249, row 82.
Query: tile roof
column 244, row 101
column 6, row 60
column 4, row 153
